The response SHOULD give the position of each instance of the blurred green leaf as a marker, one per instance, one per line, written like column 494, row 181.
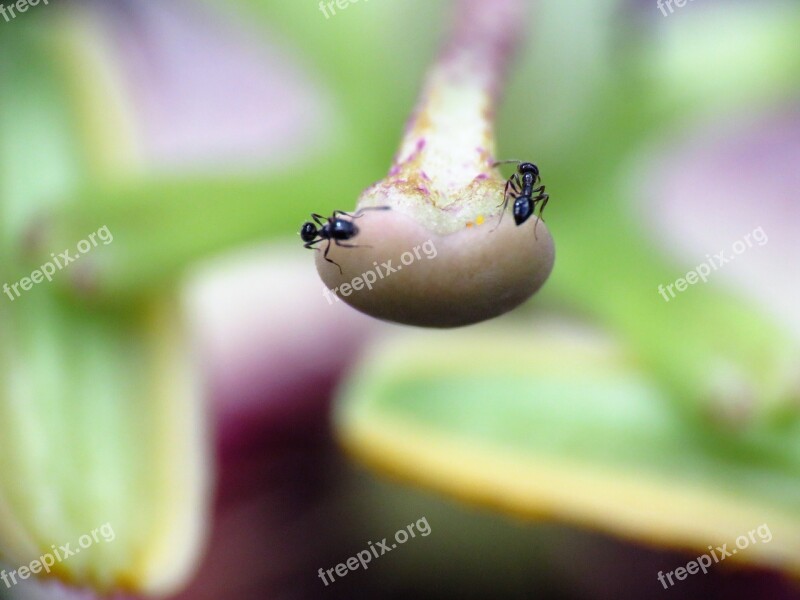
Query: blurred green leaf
column 101, row 415
column 100, row 422
column 563, row 424
column 161, row 227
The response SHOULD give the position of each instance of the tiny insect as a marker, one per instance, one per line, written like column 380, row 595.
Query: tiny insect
column 521, row 186
column 334, row 229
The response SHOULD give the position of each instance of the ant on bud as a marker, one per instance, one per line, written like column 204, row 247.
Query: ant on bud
column 521, row 185
column 333, row 229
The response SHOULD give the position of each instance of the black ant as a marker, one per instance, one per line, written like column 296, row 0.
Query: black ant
column 333, row 228
column 521, row 184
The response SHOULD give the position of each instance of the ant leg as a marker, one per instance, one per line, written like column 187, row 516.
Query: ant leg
column 513, row 183
column 344, row 213
column 541, row 197
column 310, row 244
column 544, row 199
column 319, row 218
column 360, row 211
column 504, row 203
column 341, row 245
column 503, row 210
column 325, row 256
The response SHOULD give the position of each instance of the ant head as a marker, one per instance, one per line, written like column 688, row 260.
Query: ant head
column 523, row 209
column 527, row 167
column 309, row 232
